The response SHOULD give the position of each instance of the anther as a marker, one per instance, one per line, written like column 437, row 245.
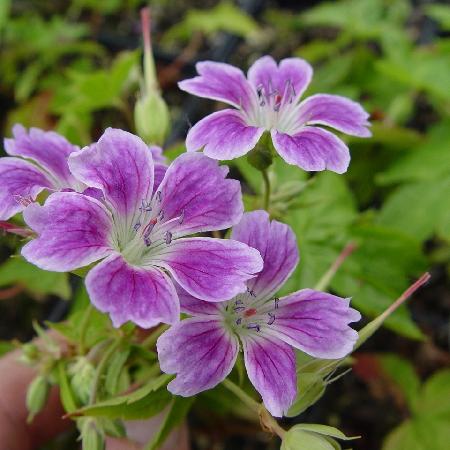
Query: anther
column 161, row 214
column 137, row 225
column 238, row 308
column 168, row 237
column 239, row 302
column 181, row 218
column 147, row 241
column 251, row 293
column 271, row 319
column 145, row 206
column 254, row 326
column 238, row 321
column 158, row 196
column 276, row 301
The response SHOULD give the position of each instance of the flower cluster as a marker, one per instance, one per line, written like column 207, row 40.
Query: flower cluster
column 139, row 227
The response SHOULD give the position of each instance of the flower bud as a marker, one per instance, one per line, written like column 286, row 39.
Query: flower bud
column 152, row 118
column 82, row 374
column 91, row 437
column 151, row 114
column 261, row 157
column 37, row 395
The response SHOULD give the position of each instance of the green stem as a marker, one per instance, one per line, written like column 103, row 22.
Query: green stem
column 246, row 399
column 151, row 339
column 83, row 329
column 101, row 368
column 266, row 180
column 331, row 272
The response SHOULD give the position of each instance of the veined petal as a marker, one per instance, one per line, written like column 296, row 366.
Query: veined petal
column 209, row 269
column 146, row 297
column 277, row 245
column 194, row 306
column 289, row 79
column 19, row 179
column 270, row 365
column 208, row 354
column 223, row 135
column 312, row 149
column 121, row 165
column 160, row 172
column 196, row 190
column 73, row 231
column 219, row 81
column 316, row 323
column 47, row 148
column 337, row 112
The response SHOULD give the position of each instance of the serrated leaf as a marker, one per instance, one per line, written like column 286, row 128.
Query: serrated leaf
column 37, row 281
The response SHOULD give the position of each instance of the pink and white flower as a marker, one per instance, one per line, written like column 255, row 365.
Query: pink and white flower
column 137, row 230
column 269, row 100
column 266, row 327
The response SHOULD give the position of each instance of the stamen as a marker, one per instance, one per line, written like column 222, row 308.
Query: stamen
column 145, row 206
column 137, row 225
column 239, row 302
column 238, row 321
column 181, row 218
column 254, row 326
column 168, row 237
column 147, row 241
column 149, row 227
column 239, row 308
column 276, row 301
column 158, row 196
column 161, row 215
column 271, row 318
column 251, row 293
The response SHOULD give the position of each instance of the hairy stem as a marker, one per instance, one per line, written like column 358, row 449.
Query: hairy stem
column 266, row 180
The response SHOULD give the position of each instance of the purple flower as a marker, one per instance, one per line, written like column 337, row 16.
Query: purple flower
column 139, row 233
column 268, row 99
column 37, row 161
column 267, row 327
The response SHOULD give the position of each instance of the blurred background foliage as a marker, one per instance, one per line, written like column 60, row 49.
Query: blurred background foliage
column 74, row 67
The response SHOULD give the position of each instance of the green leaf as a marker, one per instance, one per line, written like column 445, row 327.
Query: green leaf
column 434, row 396
column 38, row 282
column 298, row 439
column 65, row 391
column 223, row 17
column 325, row 430
column 440, row 13
column 143, row 403
column 402, row 372
column 310, row 387
column 178, row 410
column 417, row 208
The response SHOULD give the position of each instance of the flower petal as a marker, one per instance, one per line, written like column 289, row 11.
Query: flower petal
column 277, row 245
column 208, row 354
column 73, row 231
column 119, row 164
column 19, row 179
column 223, row 135
column 195, row 189
column 219, row 81
column 47, row 148
column 157, row 154
column 160, row 172
column 316, row 323
column 146, row 297
column 335, row 111
column 192, row 305
column 209, row 269
column 312, row 149
column 270, row 365
column 291, row 77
